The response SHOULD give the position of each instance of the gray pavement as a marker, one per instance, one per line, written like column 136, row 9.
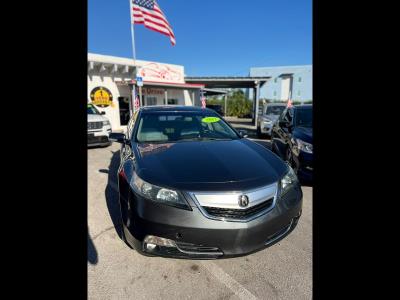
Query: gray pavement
column 283, row 271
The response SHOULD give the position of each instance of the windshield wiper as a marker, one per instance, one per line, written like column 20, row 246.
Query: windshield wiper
column 204, row 139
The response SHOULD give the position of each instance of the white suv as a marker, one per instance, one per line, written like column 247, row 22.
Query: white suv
column 99, row 127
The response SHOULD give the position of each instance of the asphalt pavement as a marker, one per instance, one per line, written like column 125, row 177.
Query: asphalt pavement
column 282, row 271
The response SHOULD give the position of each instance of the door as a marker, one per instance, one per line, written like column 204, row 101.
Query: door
column 123, row 110
column 282, row 134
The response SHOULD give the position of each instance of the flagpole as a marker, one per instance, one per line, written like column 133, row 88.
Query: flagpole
column 132, row 104
column 133, row 33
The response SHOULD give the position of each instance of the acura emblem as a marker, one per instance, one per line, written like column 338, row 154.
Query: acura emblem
column 243, row 200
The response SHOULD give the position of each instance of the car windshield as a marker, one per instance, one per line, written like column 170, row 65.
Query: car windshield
column 165, row 127
column 91, row 110
column 304, row 117
column 274, row 110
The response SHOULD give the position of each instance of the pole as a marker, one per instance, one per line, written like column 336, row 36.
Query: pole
column 140, row 96
column 133, row 34
column 226, row 98
column 134, row 55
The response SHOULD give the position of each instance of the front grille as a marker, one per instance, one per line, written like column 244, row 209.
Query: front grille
column 196, row 248
column 95, row 125
column 97, row 139
column 240, row 214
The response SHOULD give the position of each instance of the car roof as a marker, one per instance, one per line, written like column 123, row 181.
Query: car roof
column 302, row 106
column 276, row 104
column 173, row 108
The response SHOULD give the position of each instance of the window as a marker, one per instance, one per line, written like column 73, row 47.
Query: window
column 131, row 124
column 304, row 117
column 151, row 101
column 167, row 127
column 299, row 79
column 282, row 116
column 288, row 116
column 274, row 93
column 274, row 110
column 298, row 93
column 172, row 101
column 91, row 110
column 276, row 80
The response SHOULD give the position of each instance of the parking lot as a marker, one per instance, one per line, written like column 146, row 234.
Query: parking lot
column 282, row 271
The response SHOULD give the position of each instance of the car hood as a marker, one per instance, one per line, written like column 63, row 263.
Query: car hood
column 271, row 117
column 303, row 133
column 96, row 118
column 209, row 165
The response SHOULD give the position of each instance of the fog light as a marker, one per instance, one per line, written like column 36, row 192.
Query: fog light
column 150, row 246
column 151, row 241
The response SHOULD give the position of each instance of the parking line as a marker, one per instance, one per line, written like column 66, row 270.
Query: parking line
column 217, row 272
column 226, row 279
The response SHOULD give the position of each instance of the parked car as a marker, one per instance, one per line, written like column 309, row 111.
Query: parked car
column 217, row 108
column 191, row 186
column 292, row 140
column 99, row 127
column 269, row 116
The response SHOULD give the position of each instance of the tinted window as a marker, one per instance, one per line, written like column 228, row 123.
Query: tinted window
column 164, row 127
column 282, row 116
column 304, row 117
column 91, row 110
column 288, row 116
column 131, row 124
column 274, row 110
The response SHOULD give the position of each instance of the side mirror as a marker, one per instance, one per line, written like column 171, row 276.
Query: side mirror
column 243, row 133
column 103, row 113
column 118, row 137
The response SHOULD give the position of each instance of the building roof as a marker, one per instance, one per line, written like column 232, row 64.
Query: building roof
column 228, row 81
column 108, row 59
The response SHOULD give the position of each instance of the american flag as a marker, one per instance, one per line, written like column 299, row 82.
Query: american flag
column 137, row 103
column 203, row 102
column 148, row 12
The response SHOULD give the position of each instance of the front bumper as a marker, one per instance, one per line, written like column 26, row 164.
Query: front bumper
column 266, row 128
column 198, row 237
column 99, row 137
column 304, row 163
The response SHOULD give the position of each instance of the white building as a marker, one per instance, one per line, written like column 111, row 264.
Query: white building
column 111, row 82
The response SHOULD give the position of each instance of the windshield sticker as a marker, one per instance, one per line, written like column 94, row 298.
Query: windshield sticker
column 210, row 120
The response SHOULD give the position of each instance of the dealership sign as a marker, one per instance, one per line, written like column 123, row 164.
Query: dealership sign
column 101, row 96
column 161, row 73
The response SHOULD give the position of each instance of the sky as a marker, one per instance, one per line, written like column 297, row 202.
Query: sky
column 213, row 37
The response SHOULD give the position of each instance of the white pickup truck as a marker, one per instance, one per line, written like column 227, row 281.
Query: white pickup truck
column 99, row 127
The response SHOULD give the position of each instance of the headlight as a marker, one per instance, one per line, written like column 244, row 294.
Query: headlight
column 158, row 194
column 105, row 123
column 288, row 181
column 303, row 146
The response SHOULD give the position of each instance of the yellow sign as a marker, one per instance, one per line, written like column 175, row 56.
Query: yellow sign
column 210, row 119
column 102, row 97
